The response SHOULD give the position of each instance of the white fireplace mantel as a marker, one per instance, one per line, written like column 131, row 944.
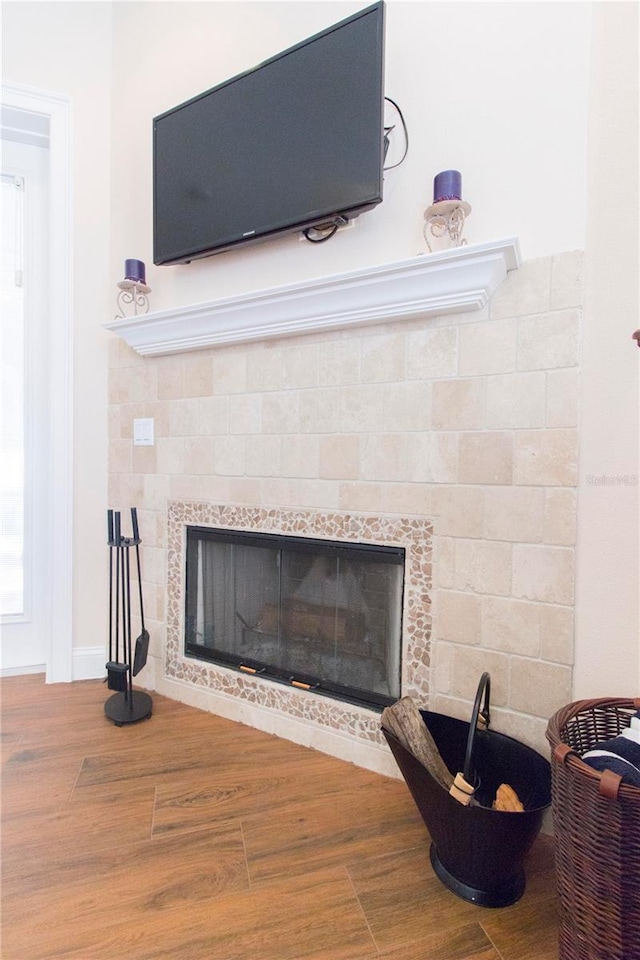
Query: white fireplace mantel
column 451, row 281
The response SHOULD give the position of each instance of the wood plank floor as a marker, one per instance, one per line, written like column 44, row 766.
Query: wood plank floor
column 186, row 836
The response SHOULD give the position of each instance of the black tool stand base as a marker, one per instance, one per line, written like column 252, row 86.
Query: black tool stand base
column 497, row 895
column 128, row 709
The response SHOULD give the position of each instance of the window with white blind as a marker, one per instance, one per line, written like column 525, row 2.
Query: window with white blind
column 25, row 445
column 12, row 399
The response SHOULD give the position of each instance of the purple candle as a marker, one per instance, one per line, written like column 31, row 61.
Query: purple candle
column 447, row 186
column 134, row 270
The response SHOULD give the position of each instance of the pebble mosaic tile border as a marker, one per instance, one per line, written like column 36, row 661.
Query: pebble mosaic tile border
column 412, row 533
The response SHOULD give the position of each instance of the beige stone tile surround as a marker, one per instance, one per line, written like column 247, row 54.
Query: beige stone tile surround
column 469, row 422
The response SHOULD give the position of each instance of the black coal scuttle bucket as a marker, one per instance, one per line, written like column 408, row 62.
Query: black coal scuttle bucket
column 476, row 851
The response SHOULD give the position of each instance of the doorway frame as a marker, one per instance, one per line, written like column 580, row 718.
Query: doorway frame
column 58, row 109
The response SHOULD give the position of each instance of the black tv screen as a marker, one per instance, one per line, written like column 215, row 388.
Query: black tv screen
column 288, row 145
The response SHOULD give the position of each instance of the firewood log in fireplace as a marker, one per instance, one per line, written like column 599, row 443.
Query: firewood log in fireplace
column 300, row 619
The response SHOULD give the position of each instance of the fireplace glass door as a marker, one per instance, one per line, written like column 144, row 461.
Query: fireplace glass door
column 317, row 614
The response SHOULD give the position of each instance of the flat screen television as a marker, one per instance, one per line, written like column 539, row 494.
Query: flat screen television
column 296, row 142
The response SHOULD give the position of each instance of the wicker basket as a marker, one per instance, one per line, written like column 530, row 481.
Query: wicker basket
column 597, row 836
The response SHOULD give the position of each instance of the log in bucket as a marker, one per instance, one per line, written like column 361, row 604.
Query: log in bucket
column 478, row 852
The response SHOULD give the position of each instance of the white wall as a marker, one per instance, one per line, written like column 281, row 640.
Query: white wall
column 65, row 48
column 499, row 90
column 607, row 609
column 496, row 90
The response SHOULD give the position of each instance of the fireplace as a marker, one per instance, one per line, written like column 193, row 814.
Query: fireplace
column 363, row 435
column 317, row 614
column 330, row 721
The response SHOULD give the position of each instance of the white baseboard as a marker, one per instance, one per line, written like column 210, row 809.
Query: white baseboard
column 20, row 671
column 89, row 663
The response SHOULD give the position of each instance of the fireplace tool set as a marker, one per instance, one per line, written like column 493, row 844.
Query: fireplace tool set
column 125, row 661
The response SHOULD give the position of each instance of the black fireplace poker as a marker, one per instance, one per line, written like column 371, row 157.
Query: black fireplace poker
column 126, row 705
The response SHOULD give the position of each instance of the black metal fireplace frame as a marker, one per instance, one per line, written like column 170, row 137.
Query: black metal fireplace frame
column 382, row 553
